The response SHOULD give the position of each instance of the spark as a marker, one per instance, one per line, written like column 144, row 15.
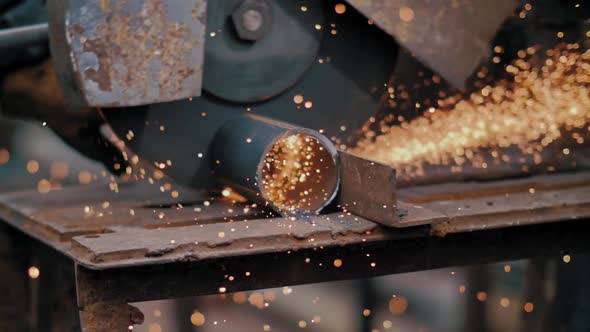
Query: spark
column 537, row 106
column 406, row 14
column 289, row 179
column 155, row 328
column 504, row 302
column 43, row 186
column 398, row 305
column 32, row 166
column 197, row 319
column 256, row 299
column 481, row 296
column 34, row 272
column 387, row 324
column 298, row 99
column 4, row 156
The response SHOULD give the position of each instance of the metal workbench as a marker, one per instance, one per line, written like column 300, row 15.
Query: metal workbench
column 110, row 248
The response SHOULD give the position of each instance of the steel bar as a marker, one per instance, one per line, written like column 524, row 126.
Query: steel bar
column 241, row 151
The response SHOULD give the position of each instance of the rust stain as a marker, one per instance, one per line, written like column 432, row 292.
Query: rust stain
column 105, row 6
column 76, row 30
column 125, row 45
column 101, row 75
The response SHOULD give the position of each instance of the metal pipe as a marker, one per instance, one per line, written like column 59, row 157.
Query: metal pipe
column 295, row 170
column 14, row 38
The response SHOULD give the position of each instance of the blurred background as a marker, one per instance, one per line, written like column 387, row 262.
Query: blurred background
column 509, row 296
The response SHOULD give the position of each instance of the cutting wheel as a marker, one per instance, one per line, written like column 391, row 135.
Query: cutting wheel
column 314, row 68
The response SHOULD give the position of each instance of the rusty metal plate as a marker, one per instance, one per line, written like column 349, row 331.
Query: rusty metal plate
column 95, row 219
column 78, row 222
column 512, row 209
column 415, row 214
column 129, row 194
column 128, row 52
column 449, row 36
column 60, row 215
column 481, row 189
column 472, row 206
column 129, row 246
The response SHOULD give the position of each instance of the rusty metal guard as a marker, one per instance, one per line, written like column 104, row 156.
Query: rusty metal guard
column 128, row 52
column 450, row 36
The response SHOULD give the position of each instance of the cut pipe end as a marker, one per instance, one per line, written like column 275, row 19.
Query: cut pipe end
column 299, row 172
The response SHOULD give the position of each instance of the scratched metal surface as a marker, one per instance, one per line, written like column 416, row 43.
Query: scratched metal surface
column 95, row 227
column 450, row 36
column 128, row 52
column 368, row 189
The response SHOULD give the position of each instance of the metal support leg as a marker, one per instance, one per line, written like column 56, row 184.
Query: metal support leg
column 114, row 317
column 14, row 291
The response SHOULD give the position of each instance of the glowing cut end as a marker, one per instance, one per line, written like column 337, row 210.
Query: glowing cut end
column 299, row 173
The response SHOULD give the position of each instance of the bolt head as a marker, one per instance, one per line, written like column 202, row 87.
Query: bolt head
column 252, row 19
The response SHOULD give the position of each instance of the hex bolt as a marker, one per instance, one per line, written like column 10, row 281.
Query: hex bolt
column 252, row 19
